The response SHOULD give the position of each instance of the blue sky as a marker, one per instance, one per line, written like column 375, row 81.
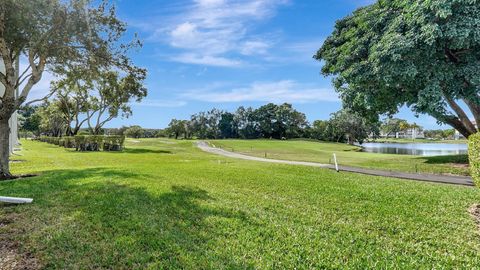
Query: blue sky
column 202, row 54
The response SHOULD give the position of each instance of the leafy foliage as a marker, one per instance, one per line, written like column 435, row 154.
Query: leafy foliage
column 440, row 134
column 30, row 119
column 474, row 156
column 347, row 126
column 96, row 99
column 268, row 121
column 423, row 54
column 134, row 132
column 178, row 127
column 273, row 121
column 393, row 125
column 87, row 142
column 52, row 120
column 76, row 36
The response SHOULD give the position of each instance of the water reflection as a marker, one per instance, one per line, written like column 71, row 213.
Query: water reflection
column 418, row 149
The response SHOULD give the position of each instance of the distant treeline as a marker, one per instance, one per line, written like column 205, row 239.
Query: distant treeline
column 272, row 121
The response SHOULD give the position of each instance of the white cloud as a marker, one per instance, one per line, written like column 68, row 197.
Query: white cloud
column 309, row 47
column 206, row 60
column 209, row 3
column 160, row 103
column 254, row 47
column 298, row 52
column 215, row 29
column 280, row 91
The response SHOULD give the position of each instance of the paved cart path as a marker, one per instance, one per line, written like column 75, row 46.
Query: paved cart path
column 436, row 178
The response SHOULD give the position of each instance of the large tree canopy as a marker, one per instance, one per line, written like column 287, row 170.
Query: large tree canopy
column 58, row 36
column 422, row 54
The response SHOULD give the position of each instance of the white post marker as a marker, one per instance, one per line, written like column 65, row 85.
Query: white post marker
column 336, row 164
column 15, row 200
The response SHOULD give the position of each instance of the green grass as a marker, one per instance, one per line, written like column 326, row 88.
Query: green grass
column 347, row 155
column 166, row 205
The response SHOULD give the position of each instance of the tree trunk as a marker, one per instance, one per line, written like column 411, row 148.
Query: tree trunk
column 4, row 149
column 462, row 116
column 458, row 125
column 475, row 109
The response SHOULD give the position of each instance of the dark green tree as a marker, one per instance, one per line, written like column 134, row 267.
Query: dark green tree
column 227, row 126
column 31, row 119
column 347, row 126
column 246, row 123
column 319, row 130
column 134, row 132
column 199, row 125
column 290, row 123
column 266, row 118
column 422, row 54
column 52, row 120
column 177, row 128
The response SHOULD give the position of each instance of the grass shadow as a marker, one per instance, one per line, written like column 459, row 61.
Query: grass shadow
column 95, row 218
column 145, row 151
column 457, row 159
column 125, row 150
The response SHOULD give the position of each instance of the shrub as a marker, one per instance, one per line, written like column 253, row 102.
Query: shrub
column 474, row 156
column 69, row 142
column 95, row 142
column 113, row 143
column 80, row 142
column 87, row 142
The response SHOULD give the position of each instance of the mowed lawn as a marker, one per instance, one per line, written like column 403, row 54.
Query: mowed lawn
column 347, row 155
column 164, row 204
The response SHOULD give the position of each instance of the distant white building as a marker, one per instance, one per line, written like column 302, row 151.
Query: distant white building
column 410, row 133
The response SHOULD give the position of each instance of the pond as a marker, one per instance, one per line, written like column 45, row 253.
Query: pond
column 418, row 149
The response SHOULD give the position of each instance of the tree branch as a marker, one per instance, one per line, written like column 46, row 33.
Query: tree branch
column 462, row 116
column 105, row 121
column 475, row 109
column 3, row 80
column 20, row 77
column 41, row 99
column 37, row 71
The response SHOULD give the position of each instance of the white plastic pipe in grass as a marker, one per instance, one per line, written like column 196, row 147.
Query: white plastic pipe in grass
column 336, row 163
column 15, row 200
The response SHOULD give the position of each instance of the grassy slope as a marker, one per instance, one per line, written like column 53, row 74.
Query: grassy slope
column 165, row 204
column 347, row 155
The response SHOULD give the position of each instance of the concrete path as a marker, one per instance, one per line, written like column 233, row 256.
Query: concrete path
column 207, row 148
column 446, row 179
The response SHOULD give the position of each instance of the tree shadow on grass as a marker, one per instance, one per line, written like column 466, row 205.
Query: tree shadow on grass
column 126, row 150
column 145, row 151
column 458, row 159
column 90, row 219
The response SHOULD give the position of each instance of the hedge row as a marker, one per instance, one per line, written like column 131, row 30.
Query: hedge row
column 474, row 156
column 87, row 142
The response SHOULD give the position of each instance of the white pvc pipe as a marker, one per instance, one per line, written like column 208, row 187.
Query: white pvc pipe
column 336, row 164
column 15, row 200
